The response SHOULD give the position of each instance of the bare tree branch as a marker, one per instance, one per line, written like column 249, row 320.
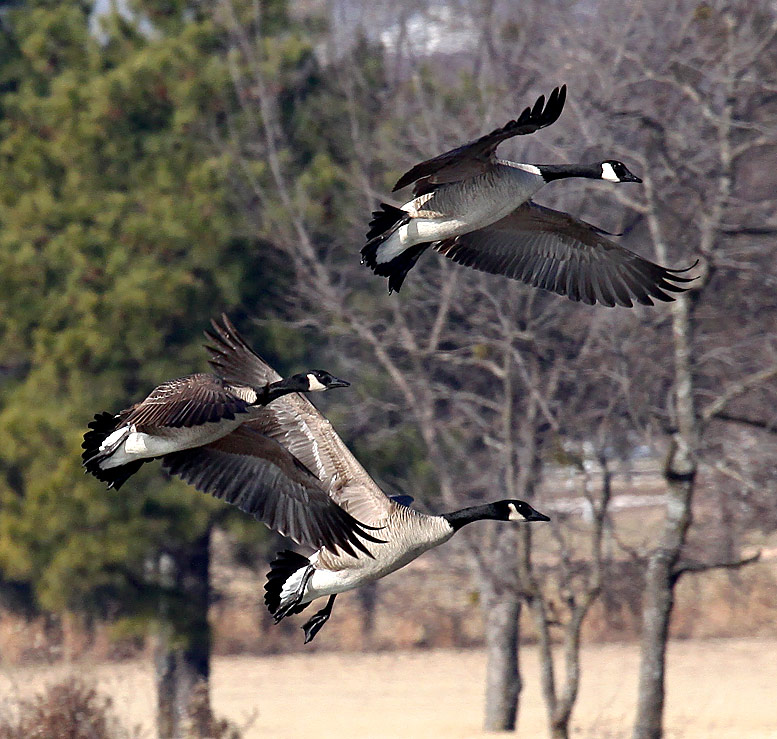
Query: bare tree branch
column 737, row 389
column 685, row 566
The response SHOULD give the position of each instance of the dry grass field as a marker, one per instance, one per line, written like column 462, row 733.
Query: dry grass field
column 723, row 689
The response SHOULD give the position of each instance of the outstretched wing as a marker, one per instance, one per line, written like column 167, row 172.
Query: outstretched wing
column 297, row 425
column 261, row 478
column 477, row 156
column 551, row 250
column 183, row 403
column 233, row 360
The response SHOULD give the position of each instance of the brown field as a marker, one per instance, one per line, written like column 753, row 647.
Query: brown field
column 717, row 688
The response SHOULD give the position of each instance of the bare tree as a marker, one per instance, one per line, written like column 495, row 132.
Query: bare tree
column 455, row 358
column 571, row 586
column 698, row 82
column 485, row 369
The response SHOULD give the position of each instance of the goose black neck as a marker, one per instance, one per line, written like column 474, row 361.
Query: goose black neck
column 276, row 390
column 552, row 172
column 457, row 519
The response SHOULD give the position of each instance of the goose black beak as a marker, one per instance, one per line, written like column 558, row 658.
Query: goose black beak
column 537, row 516
column 629, row 177
column 335, row 382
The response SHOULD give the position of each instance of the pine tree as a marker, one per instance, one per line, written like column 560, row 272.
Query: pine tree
column 118, row 241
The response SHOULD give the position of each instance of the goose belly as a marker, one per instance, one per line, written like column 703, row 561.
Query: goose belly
column 336, row 575
column 424, row 229
column 327, row 582
column 420, row 231
column 140, row 445
column 461, row 207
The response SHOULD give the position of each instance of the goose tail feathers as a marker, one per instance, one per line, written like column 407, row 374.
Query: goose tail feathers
column 286, row 581
column 100, row 428
column 385, row 221
column 384, row 255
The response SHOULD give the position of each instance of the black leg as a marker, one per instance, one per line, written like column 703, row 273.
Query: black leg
column 317, row 620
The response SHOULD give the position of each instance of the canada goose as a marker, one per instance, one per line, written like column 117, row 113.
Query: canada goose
column 288, row 450
column 476, row 210
column 179, row 414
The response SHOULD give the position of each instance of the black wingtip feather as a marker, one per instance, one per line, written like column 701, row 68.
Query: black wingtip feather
column 540, row 114
column 538, row 106
column 227, row 341
column 231, row 357
column 680, row 271
column 531, row 119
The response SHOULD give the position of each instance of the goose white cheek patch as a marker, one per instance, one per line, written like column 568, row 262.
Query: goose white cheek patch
column 608, row 173
column 514, row 515
column 314, row 384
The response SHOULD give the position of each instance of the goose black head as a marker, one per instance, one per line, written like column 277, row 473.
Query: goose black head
column 615, row 171
column 518, row 510
column 501, row 510
column 320, row 380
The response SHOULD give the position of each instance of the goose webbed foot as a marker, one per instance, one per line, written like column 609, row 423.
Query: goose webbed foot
column 317, row 620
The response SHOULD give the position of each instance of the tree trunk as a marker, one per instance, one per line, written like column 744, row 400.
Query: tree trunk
column 367, row 595
column 503, row 680
column 502, row 605
column 656, row 610
column 661, row 576
column 660, row 581
column 182, row 651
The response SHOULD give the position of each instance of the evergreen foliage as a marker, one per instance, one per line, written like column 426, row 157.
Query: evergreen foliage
column 134, row 205
column 118, row 241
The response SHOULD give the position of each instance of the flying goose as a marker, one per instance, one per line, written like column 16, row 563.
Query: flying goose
column 288, row 449
column 182, row 413
column 476, row 210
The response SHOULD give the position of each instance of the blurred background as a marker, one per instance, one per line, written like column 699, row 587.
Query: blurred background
column 162, row 161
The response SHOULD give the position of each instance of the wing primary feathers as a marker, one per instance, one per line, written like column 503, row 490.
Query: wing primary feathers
column 531, row 119
column 263, row 489
column 551, row 250
column 232, row 359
